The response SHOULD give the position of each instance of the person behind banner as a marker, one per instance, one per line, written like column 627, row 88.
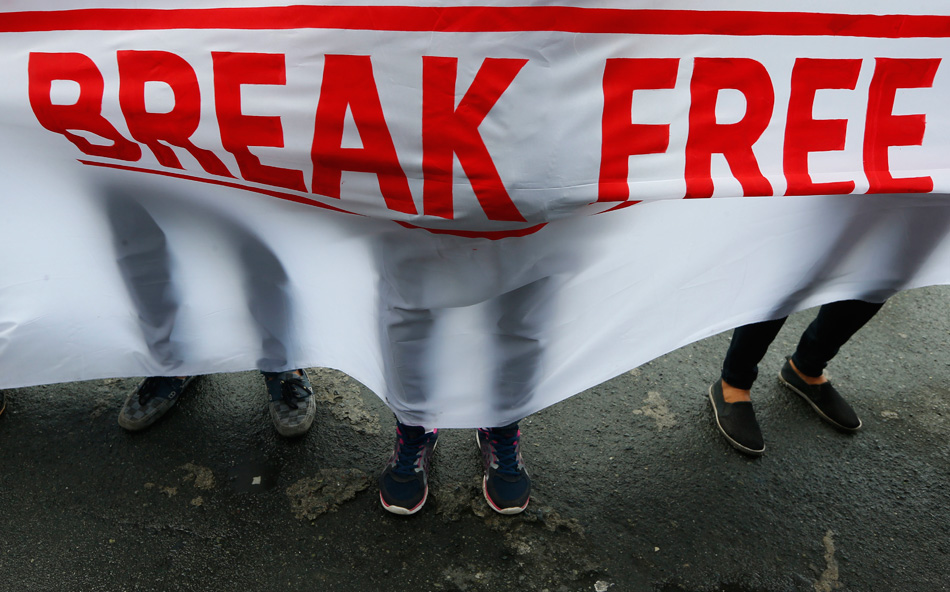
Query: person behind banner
column 506, row 486
column 423, row 277
column 835, row 324
column 145, row 262
column 802, row 373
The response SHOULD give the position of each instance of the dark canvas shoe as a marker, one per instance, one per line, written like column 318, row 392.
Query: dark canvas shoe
column 404, row 483
column 151, row 400
column 823, row 398
column 506, row 484
column 292, row 407
column 737, row 422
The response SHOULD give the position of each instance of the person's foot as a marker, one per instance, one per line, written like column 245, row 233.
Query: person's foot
column 737, row 422
column 506, row 484
column 3, row 402
column 151, row 400
column 292, row 407
column 404, row 482
column 823, row 398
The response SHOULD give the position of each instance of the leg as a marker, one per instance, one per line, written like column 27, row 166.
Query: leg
column 145, row 264
column 406, row 333
column 747, row 348
column 520, row 342
column 835, row 324
column 267, row 287
column 730, row 395
column 803, row 372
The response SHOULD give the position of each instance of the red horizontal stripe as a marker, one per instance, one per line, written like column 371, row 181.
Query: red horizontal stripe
column 271, row 193
column 489, row 234
column 485, row 19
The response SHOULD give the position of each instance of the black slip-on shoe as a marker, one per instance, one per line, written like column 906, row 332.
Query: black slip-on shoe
column 737, row 422
column 823, row 398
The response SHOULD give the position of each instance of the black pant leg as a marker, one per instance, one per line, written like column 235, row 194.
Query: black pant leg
column 748, row 347
column 833, row 327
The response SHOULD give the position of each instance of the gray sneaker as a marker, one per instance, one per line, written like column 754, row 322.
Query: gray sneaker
column 151, row 400
column 292, row 407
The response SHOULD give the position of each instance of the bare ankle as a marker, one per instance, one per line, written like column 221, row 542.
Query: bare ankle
column 808, row 379
column 731, row 394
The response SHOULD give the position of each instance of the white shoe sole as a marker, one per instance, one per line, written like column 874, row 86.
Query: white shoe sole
column 736, row 445
column 820, row 413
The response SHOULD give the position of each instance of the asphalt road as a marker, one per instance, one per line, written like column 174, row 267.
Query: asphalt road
column 633, row 487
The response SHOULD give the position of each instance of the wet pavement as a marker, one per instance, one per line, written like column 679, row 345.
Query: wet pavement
column 634, row 489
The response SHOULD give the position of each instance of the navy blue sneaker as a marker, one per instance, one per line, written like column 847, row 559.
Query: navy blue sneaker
column 506, row 484
column 404, row 483
column 151, row 400
column 292, row 407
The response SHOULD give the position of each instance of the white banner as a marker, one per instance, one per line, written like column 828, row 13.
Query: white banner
column 433, row 197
